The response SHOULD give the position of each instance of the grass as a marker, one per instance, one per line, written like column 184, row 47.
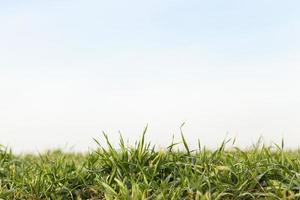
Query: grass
column 142, row 172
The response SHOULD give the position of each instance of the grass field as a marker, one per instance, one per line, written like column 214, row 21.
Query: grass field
column 142, row 172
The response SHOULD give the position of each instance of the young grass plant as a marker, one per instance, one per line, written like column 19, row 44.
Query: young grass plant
column 142, row 172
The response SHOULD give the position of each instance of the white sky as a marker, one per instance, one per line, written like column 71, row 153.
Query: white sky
column 70, row 69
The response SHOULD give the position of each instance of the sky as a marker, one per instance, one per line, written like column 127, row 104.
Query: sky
column 72, row 69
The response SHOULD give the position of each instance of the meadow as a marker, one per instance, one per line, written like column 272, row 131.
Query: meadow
column 143, row 172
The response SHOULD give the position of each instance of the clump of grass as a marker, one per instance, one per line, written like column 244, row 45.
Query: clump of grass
column 142, row 172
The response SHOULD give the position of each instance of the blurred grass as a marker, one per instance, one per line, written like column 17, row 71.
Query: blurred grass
column 142, row 172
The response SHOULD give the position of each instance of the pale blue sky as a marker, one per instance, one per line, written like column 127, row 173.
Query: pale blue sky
column 69, row 69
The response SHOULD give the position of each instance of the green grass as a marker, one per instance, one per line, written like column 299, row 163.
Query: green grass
column 142, row 172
